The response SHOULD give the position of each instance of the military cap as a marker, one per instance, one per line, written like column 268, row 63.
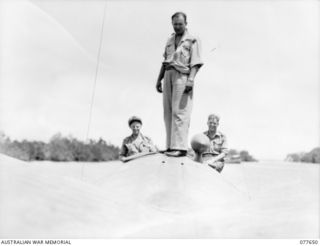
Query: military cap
column 134, row 119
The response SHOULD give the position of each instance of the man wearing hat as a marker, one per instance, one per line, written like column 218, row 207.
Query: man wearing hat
column 179, row 68
column 136, row 143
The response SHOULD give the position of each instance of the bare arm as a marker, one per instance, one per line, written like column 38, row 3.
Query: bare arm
column 123, row 152
column 160, row 77
column 194, row 70
column 135, row 156
column 152, row 146
column 195, row 64
column 219, row 157
column 224, row 151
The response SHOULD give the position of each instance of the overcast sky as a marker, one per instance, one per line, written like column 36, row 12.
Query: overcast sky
column 262, row 78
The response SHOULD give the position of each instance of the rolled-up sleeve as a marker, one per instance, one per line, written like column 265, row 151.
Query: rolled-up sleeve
column 164, row 53
column 196, row 54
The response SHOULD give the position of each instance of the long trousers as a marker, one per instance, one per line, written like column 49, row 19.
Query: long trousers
column 177, row 107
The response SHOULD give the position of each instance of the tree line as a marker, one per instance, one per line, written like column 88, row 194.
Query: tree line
column 243, row 155
column 59, row 148
column 312, row 156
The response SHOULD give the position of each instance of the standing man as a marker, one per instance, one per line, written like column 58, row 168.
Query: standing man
column 181, row 63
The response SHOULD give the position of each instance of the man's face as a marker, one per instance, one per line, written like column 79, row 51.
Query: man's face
column 135, row 127
column 179, row 24
column 213, row 124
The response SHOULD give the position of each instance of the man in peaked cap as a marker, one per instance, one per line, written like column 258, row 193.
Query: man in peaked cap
column 136, row 143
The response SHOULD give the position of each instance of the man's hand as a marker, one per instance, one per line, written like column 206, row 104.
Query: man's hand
column 159, row 86
column 211, row 160
column 189, row 86
column 216, row 158
column 216, row 165
column 188, row 89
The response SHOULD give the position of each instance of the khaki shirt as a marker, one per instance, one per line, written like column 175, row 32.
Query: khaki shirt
column 218, row 144
column 131, row 146
column 185, row 56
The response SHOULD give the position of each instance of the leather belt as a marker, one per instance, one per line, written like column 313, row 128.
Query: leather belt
column 169, row 67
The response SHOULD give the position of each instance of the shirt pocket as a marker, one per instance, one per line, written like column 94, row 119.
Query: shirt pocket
column 144, row 147
column 131, row 149
column 169, row 50
column 185, row 52
column 218, row 142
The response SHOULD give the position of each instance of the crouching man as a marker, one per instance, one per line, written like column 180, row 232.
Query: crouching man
column 212, row 149
column 136, row 144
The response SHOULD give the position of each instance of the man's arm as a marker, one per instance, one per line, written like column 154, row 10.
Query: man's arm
column 137, row 155
column 160, row 77
column 123, row 152
column 194, row 70
column 152, row 146
column 195, row 65
column 190, row 81
column 224, row 151
column 218, row 157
